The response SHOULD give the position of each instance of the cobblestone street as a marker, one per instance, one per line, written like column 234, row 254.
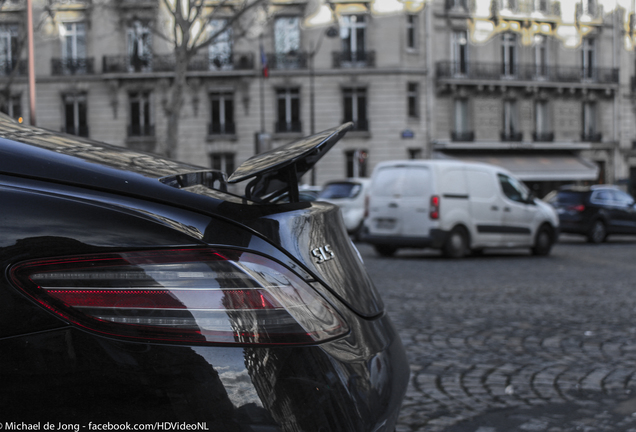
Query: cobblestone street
column 511, row 342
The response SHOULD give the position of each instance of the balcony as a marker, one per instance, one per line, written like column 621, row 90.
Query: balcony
column 81, row 130
column 141, row 130
column 7, row 67
column 291, row 60
column 511, row 136
column 543, row 136
column 284, row 127
column 480, row 71
column 229, row 128
column 72, row 66
column 591, row 137
column 462, row 136
column 166, row 63
column 353, row 59
column 358, row 125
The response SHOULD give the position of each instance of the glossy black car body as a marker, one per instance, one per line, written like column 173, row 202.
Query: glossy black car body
column 595, row 211
column 67, row 201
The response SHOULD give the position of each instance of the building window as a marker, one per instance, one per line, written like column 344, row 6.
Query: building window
column 461, row 121
column 457, row 5
column 511, row 130
column 355, row 108
column 588, row 7
column 413, row 100
column 140, row 115
column 588, row 58
column 352, row 34
column 221, row 113
column 73, row 47
column 542, row 126
column 139, row 41
column 415, row 153
column 508, row 54
column 13, row 107
column 288, row 109
column 510, row 5
column 356, row 163
column 9, row 48
column 541, row 6
column 287, row 43
column 220, row 50
column 223, row 162
column 411, row 31
column 540, row 56
column 590, row 128
column 75, row 118
column 459, row 52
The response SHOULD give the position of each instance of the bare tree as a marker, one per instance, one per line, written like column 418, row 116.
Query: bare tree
column 189, row 30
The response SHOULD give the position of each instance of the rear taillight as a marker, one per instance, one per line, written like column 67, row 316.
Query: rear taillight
column 366, row 206
column 434, row 213
column 186, row 295
column 577, row 208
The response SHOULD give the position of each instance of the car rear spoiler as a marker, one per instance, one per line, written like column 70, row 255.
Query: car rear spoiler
column 279, row 170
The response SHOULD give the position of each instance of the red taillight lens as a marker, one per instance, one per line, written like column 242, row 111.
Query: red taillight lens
column 434, row 213
column 190, row 296
column 577, row 208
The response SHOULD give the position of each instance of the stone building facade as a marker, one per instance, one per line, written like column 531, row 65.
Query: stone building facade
column 502, row 83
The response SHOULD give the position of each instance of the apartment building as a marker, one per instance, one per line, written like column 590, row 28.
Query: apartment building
column 103, row 73
column 446, row 79
column 512, row 90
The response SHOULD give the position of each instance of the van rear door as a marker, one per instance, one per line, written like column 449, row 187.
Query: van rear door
column 416, row 201
column 399, row 201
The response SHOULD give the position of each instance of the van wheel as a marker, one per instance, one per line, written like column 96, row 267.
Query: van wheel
column 542, row 242
column 456, row 244
column 385, row 250
column 597, row 233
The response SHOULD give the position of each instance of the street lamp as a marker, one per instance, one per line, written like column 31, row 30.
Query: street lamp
column 331, row 32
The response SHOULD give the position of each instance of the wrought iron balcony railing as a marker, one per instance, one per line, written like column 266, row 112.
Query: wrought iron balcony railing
column 543, row 136
column 524, row 72
column 72, row 66
column 221, row 129
column 344, row 59
column 358, row 125
column 167, row 62
column 282, row 127
column 511, row 136
column 291, row 60
column 592, row 136
column 81, row 130
column 141, row 130
column 462, row 136
column 7, row 67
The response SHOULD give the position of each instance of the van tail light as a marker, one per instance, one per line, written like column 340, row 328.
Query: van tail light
column 366, row 206
column 578, row 208
column 187, row 295
column 434, row 213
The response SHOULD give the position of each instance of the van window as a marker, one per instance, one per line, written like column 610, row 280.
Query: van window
column 386, row 181
column 417, row 182
column 513, row 188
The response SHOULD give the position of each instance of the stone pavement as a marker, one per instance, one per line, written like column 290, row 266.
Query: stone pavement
column 511, row 342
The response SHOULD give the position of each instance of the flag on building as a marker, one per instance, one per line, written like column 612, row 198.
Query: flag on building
column 264, row 66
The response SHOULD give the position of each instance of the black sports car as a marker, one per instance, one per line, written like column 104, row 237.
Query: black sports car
column 138, row 294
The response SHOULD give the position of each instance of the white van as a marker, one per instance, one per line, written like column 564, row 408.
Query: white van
column 456, row 207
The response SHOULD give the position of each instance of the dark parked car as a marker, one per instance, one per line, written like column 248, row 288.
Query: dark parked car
column 136, row 290
column 595, row 211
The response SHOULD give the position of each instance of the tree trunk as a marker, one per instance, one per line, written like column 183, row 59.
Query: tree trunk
column 175, row 103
